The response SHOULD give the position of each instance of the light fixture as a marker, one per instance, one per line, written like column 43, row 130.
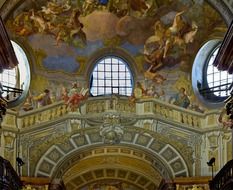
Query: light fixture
column 211, row 164
column 19, row 161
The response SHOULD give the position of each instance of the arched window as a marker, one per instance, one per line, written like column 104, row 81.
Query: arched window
column 111, row 75
column 210, row 85
column 18, row 78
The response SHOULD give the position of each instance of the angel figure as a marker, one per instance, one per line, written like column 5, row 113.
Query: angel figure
column 180, row 34
column 173, row 32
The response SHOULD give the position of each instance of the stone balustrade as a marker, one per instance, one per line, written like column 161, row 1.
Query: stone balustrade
column 149, row 108
column 111, row 103
column 41, row 115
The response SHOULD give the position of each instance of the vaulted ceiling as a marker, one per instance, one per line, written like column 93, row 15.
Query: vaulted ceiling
column 63, row 38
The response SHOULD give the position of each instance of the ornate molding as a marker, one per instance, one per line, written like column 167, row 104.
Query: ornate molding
column 111, row 130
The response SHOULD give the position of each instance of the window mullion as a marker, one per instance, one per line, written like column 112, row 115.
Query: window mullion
column 110, row 72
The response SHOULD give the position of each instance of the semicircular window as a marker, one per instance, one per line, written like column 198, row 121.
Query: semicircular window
column 111, row 75
column 15, row 82
column 219, row 82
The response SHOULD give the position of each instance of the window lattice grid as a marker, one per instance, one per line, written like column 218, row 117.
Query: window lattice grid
column 218, row 81
column 8, row 78
column 111, row 76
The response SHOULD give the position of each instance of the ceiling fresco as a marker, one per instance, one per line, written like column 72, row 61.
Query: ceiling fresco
column 163, row 37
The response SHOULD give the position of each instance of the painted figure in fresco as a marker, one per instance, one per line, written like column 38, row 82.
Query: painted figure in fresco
column 173, row 33
column 150, row 92
column 153, row 53
column 64, row 94
column 181, row 99
column 56, row 18
column 89, row 6
column 44, row 98
column 177, row 24
column 162, row 95
column 55, row 8
column 152, row 8
column 151, row 74
column 27, row 106
column 76, row 27
column 76, row 96
column 139, row 92
column 119, row 7
column 22, row 24
column 180, row 33
column 38, row 20
column 153, row 48
column 157, row 47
